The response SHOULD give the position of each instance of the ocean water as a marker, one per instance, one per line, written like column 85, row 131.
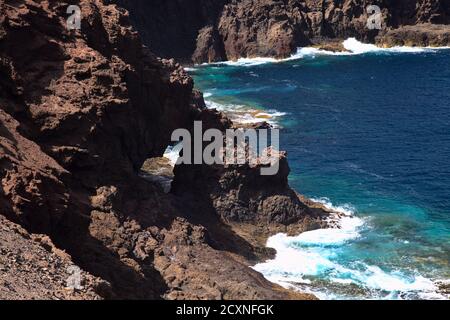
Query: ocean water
column 367, row 133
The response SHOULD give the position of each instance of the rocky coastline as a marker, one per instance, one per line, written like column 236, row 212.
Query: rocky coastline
column 219, row 30
column 84, row 112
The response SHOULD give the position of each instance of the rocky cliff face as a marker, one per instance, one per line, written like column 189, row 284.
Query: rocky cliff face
column 80, row 112
column 170, row 28
column 228, row 29
column 84, row 98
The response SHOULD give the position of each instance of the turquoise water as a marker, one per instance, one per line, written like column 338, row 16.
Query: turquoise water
column 368, row 133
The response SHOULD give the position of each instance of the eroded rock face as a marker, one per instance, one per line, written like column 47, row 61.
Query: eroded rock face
column 424, row 35
column 32, row 188
column 259, row 28
column 194, row 270
column 209, row 46
column 80, row 112
column 230, row 29
column 87, row 98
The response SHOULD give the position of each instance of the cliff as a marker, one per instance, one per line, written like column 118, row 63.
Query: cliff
column 216, row 30
column 80, row 113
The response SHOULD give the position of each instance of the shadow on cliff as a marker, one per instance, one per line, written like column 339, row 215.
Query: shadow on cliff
column 93, row 255
column 152, row 207
column 201, row 211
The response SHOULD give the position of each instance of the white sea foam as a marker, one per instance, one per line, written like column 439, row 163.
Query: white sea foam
column 344, row 209
column 313, row 52
column 245, row 114
column 301, row 53
column 290, row 263
column 313, row 255
column 249, row 62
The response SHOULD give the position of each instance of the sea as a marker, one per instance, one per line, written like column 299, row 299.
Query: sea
column 367, row 134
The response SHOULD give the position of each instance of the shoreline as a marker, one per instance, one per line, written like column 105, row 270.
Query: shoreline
column 261, row 234
column 87, row 114
column 334, row 47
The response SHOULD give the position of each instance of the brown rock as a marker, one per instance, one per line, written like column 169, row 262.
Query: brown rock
column 209, row 46
column 239, row 193
column 31, row 267
column 80, row 112
column 249, row 28
column 422, row 35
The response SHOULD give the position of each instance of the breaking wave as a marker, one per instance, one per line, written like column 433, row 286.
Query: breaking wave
column 302, row 260
column 353, row 47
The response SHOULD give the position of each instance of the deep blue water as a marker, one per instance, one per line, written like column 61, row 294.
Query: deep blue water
column 368, row 132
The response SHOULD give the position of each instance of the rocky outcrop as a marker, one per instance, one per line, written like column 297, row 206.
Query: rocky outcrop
column 229, row 29
column 193, row 269
column 83, row 111
column 86, row 98
column 80, row 112
column 171, row 28
column 411, row 12
column 424, row 35
column 259, row 28
column 238, row 205
column 32, row 191
column 209, row 46
column 239, row 193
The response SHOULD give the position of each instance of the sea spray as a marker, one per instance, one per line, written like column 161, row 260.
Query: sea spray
column 312, row 255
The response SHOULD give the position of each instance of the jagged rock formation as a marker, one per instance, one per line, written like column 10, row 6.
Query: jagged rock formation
column 80, row 112
column 170, row 28
column 228, row 29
